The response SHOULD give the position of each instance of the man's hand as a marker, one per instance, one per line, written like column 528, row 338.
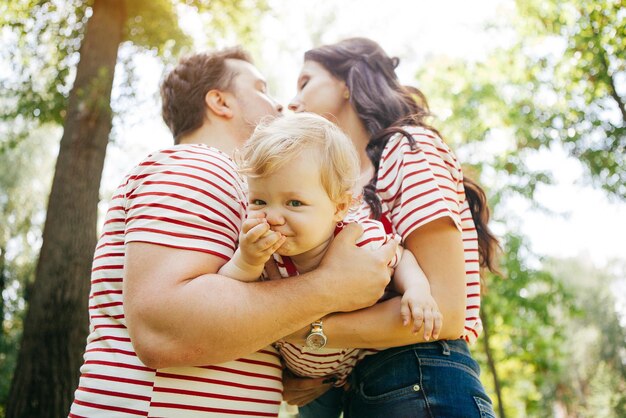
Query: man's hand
column 355, row 277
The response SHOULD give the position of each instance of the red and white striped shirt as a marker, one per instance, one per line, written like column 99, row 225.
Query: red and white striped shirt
column 417, row 186
column 336, row 362
column 187, row 197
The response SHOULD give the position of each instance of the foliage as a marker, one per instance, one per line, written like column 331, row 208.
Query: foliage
column 594, row 383
column 525, row 313
column 41, row 42
column 548, row 86
column 22, row 210
column 579, row 83
column 561, row 79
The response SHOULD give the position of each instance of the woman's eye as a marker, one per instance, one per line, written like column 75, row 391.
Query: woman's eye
column 304, row 83
column 294, row 203
column 257, row 202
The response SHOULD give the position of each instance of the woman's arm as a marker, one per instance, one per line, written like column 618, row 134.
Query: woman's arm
column 438, row 247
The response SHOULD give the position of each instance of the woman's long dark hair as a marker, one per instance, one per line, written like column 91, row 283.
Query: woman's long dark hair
column 385, row 106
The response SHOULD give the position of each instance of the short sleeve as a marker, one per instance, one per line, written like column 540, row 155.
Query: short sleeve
column 419, row 183
column 374, row 237
column 187, row 197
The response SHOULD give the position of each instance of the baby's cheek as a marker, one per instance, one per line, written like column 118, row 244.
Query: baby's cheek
column 257, row 214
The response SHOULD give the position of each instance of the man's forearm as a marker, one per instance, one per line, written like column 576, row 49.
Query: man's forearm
column 213, row 319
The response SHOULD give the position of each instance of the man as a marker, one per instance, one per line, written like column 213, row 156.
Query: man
column 157, row 306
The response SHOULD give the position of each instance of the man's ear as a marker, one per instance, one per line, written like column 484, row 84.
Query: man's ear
column 342, row 206
column 216, row 101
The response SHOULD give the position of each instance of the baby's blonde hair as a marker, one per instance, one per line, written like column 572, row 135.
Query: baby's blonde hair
column 279, row 140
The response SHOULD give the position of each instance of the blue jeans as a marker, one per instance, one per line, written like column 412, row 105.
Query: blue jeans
column 438, row 379
column 329, row 405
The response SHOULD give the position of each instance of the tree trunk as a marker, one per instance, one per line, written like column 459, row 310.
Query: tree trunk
column 492, row 364
column 3, row 283
column 56, row 324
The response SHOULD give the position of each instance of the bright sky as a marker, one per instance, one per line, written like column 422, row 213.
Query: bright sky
column 584, row 222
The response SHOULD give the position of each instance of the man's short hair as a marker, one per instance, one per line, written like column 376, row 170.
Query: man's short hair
column 183, row 90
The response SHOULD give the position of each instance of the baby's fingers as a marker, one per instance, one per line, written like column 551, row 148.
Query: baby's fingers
column 428, row 323
column 418, row 317
column 250, row 223
column 438, row 324
column 258, row 231
column 278, row 244
column 405, row 313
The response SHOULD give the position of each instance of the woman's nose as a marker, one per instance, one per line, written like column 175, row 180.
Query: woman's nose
column 295, row 105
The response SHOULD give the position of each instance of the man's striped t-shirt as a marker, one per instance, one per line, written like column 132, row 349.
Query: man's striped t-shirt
column 187, row 197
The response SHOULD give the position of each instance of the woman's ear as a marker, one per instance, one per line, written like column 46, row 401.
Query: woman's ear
column 217, row 103
column 342, row 206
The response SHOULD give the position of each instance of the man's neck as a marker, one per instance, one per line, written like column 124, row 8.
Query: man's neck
column 216, row 135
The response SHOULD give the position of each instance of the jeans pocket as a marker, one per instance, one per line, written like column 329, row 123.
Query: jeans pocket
column 406, row 392
column 396, row 377
column 485, row 408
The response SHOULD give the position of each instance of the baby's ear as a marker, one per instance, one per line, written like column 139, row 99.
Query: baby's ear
column 342, row 206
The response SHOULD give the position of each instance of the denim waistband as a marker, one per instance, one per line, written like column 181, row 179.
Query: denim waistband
column 442, row 347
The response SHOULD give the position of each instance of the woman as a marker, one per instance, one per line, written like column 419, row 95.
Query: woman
column 414, row 184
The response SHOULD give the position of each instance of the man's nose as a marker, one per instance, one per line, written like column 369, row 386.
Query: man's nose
column 278, row 107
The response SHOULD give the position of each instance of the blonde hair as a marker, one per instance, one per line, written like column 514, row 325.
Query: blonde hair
column 277, row 141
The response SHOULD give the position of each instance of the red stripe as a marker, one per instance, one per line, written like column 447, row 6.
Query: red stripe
column 216, row 382
column 106, row 292
column 120, row 365
column 192, row 201
column 111, row 338
column 205, row 409
column 108, row 267
column 426, row 218
column 120, row 316
column 106, row 305
column 112, row 350
column 109, row 255
column 117, row 379
column 215, row 395
column 181, row 223
column 107, row 280
column 369, row 240
column 243, row 373
column 109, row 326
column 113, row 220
column 111, row 408
column 181, row 235
column 109, row 244
column 117, row 394
column 473, row 331
column 259, row 363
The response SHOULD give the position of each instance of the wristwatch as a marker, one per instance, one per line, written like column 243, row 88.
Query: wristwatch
column 316, row 338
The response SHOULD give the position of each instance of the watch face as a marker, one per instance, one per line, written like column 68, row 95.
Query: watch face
column 315, row 341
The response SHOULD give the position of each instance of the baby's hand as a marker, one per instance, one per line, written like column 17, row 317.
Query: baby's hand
column 257, row 242
column 420, row 308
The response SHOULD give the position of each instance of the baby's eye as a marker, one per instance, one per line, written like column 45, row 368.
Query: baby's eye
column 304, row 83
column 257, row 202
column 294, row 203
